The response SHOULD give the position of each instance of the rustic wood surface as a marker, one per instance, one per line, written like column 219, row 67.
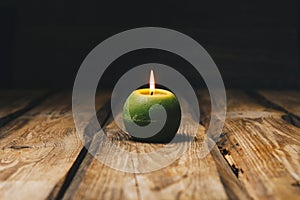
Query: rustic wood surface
column 38, row 149
column 261, row 147
column 287, row 100
column 13, row 103
column 256, row 157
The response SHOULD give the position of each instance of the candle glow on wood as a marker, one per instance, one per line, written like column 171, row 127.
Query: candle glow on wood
column 152, row 82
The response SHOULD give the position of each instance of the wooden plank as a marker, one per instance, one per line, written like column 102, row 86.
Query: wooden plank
column 95, row 180
column 38, row 149
column 190, row 177
column 14, row 103
column 262, row 148
column 288, row 100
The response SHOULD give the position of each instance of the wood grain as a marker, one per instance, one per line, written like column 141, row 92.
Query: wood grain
column 38, row 148
column 14, row 103
column 189, row 177
column 256, row 157
column 95, row 180
column 261, row 147
column 287, row 99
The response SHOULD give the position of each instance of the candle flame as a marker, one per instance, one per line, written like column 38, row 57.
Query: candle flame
column 152, row 82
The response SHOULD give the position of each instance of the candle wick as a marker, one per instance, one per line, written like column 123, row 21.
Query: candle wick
column 152, row 93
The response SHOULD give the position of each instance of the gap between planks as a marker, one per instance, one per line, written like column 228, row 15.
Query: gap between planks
column 250, row 128
column 261, row 112
column 60, row 189
column 38, row 148
column 14, row 103
column 190, row 177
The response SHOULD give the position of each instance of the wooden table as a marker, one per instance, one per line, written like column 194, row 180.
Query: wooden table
column 256, row 157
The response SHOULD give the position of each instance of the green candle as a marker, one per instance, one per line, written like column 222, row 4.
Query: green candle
column 137, row 107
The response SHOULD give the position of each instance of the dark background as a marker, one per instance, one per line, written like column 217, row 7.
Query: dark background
column 255, row 44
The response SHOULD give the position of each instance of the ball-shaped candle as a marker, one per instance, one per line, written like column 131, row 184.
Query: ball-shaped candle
column 141, row 102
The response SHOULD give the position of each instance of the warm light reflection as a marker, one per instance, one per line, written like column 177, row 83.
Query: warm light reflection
column 152, row 82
